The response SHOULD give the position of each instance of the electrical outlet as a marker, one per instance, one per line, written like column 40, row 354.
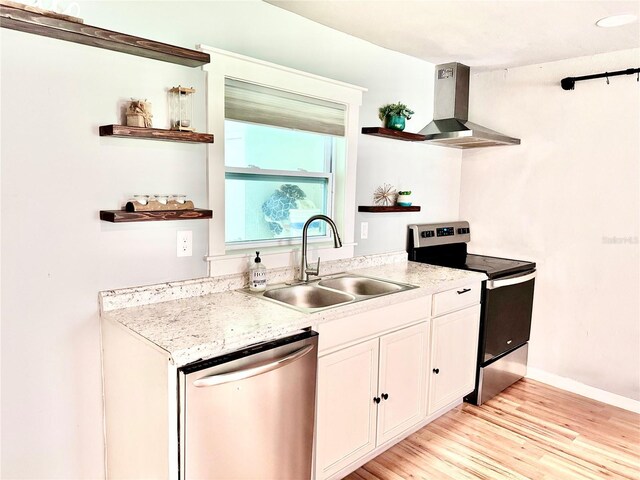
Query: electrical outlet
column 185, row 243
column 364, row 230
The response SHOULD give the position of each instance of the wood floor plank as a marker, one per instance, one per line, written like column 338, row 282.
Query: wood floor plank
column 440, row 464
column 482, row 458
column 497, row 453
column 408, row 466
column 619, row 460
column 570, row 469
column 380, row 471
column 530, row 431
column 356, row 476
column 531, row 417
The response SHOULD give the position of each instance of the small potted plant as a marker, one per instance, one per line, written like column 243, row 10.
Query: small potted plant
column 404, row 198
column 393, row 115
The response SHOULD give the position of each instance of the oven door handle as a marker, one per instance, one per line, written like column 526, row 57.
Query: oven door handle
column 505, row 282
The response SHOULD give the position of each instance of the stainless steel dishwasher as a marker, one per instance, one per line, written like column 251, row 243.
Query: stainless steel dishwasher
column 250, row 414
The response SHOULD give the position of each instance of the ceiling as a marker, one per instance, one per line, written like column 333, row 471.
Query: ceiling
column 482, row 34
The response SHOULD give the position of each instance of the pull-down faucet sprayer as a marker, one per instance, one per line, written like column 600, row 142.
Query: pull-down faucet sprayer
column 305, row 269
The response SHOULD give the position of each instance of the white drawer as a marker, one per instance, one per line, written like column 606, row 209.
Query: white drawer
column 349, row 329
column 456, row 299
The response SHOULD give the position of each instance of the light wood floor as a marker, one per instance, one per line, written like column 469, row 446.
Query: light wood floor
column 529, row 431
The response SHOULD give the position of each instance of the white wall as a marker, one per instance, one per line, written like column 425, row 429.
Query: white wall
column 57, row 173
column 431, row 173
column 556, row 199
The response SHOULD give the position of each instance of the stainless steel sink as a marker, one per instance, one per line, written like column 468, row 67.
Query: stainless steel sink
column 361, row 285
column 308, row 296
column 330, row 292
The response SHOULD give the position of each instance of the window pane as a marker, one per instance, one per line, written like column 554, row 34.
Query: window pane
column 275, row 148
column 267, row 207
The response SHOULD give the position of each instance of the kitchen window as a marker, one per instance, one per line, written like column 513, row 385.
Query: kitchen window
column 285, row 149
column 281, row 151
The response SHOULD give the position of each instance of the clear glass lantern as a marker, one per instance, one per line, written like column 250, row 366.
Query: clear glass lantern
column 181, row 106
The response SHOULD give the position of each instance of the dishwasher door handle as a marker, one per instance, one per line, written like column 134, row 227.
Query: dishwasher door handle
column 213, row 380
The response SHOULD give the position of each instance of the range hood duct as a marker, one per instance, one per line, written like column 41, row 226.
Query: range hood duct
column 450, row 126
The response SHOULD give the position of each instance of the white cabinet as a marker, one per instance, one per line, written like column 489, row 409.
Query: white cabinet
column 402, row 380
column 454, row 348
column 346, row 412
column 367, row 394
column 141, row 406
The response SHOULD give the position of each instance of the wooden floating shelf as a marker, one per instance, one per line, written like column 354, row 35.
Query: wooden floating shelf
column 123, row 131
column 394, row 208
column 18, row 17
column 120, row 216
column 395, row 134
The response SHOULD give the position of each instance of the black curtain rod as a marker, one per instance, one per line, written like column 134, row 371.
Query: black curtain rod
column 569, row 83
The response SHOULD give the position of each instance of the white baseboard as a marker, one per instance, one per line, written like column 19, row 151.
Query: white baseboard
column 584, row 390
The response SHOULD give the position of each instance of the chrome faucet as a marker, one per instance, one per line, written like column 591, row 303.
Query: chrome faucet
column 305, row 269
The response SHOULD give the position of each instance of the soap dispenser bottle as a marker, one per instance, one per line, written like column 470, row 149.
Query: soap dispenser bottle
column 257, row 275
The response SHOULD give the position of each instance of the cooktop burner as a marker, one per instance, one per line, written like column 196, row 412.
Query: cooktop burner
column 446, row 245
column 493, row 266
column 496, row 266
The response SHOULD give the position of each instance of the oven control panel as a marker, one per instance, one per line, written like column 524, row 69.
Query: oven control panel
column 445, row 231
column 430, row 234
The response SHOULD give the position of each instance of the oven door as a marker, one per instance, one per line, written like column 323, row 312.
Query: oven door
column 507, row 314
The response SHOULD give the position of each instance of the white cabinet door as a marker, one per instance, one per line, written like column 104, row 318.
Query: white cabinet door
column 454, row 348
column 346, row 413
column 402, row 383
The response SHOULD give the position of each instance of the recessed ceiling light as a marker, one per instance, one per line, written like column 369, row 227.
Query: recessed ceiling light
column 616, row 20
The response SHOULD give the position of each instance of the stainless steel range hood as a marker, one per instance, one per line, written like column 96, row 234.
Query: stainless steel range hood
column 450, row 126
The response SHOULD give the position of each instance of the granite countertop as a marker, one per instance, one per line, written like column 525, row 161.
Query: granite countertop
column 205, row 326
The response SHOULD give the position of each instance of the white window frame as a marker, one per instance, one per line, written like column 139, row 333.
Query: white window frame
column 223, row 260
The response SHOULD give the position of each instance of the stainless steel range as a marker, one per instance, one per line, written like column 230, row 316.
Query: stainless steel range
column 507, row 302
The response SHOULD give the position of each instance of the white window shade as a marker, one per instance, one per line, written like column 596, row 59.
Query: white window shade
column 248, row 102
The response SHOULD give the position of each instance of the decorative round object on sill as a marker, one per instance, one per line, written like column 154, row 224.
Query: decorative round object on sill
column 287, row 209
column 396, row 122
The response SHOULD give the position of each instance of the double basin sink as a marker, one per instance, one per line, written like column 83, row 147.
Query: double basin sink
column 332, row 292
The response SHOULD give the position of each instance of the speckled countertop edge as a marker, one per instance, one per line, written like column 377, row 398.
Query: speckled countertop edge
column 200, row 327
